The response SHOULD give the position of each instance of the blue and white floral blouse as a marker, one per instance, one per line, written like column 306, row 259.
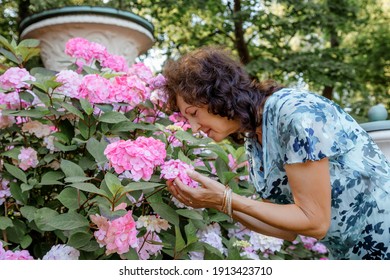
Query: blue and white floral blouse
column 299, row 126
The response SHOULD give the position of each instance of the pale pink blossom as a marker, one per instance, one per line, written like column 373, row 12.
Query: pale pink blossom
column 148, row 246
column 142, row 71
column 117, row 235
column 6, row 121
column 71, row 82
column 115, row 62
column 157, row 82
column 35, row 127
column 129, row 89
column 95, row 88
column 211, row 235
column 81, row 48
column 175, row 168
column 152, row 223
column 11, row 100
column 62, row 252
column 16, row 255
column 15, row 78
column 28, row 157
column 140, row 156
column 4, row 190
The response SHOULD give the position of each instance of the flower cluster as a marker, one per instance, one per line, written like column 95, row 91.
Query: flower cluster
column 117, row 235
column 86, row 52
column 62, row 252
column 14, row 255
column 140, row 156
column 176, row 168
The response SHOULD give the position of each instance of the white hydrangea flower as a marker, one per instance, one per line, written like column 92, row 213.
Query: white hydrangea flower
column 265, row 243
column 62, row 252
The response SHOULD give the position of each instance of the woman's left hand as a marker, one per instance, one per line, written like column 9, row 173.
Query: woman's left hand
column 208, row 195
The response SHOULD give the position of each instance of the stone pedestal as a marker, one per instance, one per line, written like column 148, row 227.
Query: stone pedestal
column 122, row 33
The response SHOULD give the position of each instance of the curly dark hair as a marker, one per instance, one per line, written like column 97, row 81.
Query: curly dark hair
column 210, row 76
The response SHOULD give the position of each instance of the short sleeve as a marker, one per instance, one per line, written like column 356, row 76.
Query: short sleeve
column 313, row 130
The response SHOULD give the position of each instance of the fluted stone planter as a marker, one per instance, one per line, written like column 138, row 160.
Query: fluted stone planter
column 121, row 32
column 379, row 128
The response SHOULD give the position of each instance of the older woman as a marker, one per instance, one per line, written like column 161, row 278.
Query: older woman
column 317, row 170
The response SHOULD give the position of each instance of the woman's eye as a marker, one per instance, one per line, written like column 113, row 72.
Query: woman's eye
column 194, row 113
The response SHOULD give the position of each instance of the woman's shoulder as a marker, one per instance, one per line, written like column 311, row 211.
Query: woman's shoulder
column 296, row 100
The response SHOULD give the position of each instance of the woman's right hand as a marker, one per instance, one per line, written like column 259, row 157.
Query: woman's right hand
column 208, row 195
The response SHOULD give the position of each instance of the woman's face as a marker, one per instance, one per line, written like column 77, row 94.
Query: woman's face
column 215, row 126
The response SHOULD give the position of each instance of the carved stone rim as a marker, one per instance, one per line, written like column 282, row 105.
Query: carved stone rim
column 123, row 18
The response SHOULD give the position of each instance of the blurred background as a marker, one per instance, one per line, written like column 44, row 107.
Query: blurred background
column 337, row 48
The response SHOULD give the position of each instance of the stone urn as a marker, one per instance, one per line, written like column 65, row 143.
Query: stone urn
column 378, row 127
column 121, row 32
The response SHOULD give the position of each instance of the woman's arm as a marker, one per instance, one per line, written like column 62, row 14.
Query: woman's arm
column 309, row 216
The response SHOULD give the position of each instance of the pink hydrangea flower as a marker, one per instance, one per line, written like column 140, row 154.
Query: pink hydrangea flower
column 176, row 168
column 28, row 158
column 140, row 156
column 82, row 48
column 95, row 89
column 15, row 78
column 71, row 82
column 149, row 246
column 11, row 100
column 117, row 235
column 115, row 62
column 17, row 255
column 157, row 82
column 142, row 71
column 129, row 89
column 4, row 190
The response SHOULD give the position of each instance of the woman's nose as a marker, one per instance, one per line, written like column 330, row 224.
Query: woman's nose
column 194, row 126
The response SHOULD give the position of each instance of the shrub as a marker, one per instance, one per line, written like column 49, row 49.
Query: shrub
column 85, row 155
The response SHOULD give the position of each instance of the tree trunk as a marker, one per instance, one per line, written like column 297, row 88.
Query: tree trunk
column 24, row 9
column 240, row 43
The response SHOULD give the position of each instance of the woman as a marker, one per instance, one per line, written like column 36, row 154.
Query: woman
column 318, row 171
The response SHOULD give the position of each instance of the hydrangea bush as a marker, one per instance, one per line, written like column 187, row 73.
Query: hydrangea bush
column 85, row 154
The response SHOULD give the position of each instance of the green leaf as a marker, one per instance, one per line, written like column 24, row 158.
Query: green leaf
column 17, row 193
column 135, row 186
column 79, row 239
column 29, row 43
column 129, row 126
column 51, row 178
column 87, row 107
column 190, row 231
column 131, row 255
column 71, row 169
column 26, row 241
column 28, row 212
column 10, row 56
column 64, row 148
column 70, row 108
column 5, row 222
column 191, row 214
column 71, row 198
column 77, row 179
column 166, row 212
column 16, row 172
column 113, row 183
column 68, row 221
column 13, row 153
column 91, row 188
column 113, row 117
column 42, row 216
column 5, row 43
column 96, row 149
column 180, row 244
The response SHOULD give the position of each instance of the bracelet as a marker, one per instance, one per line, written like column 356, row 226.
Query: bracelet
column 227, row 201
